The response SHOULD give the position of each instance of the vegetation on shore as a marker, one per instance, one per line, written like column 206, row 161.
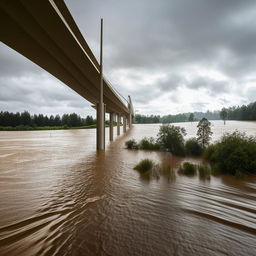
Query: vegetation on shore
column 26, row 121
column 39, row 128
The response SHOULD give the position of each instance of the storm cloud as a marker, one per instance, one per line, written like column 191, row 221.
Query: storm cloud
column 171, row 56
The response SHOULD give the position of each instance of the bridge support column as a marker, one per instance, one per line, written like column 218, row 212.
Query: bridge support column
column 101, row 126
column 118, row 121
column 124, row 124
column 130, row 121
column 111, row 134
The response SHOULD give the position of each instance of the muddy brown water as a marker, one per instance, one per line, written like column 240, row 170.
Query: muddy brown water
column 58, row 196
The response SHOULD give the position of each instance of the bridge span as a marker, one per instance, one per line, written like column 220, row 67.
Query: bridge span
column 45, row 32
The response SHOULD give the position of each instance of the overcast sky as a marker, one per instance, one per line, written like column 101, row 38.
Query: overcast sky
column 171, row 56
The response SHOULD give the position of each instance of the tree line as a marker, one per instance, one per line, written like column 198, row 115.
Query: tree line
column 40, row 120
column 244, row 112
column 178, row 118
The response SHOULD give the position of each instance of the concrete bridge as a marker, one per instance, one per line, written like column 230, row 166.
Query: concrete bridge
column 45, row 32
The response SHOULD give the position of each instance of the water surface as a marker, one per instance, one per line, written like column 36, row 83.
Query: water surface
column 60, row 197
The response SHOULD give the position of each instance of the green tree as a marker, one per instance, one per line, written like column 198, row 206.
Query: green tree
column 191, row 117
column 89, row 120
column 171, row 138
column 204, row 132
column 57, row 120
column 224, row 114
column 25, row 118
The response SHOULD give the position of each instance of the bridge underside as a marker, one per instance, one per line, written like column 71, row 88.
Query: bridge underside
column 45, row 32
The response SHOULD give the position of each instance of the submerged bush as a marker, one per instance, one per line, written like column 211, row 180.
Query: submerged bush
column 131, row 144
column 204, row 171
column 193, row 147
column 171, row 138
column 188, row 168
column 149, row 144
column 240, row 175
column 144, row 165
column 235, row 153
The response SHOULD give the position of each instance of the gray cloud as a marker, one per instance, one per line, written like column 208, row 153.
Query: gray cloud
column 155, row 51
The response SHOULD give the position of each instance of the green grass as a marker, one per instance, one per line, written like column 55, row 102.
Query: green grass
column 144, row 166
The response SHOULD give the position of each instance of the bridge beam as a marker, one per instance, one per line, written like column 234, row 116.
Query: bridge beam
column 111, row 126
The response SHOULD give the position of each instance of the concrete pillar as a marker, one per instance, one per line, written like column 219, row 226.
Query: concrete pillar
column 111, row 134
column 118, row 124
column 124, row 124
column 101, row 108
column 100, row 126
column 130, row 121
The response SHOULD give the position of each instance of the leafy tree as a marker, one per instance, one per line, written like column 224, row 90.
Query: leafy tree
column 191, row 117
column 224, row 114
column 171, row 138
column 204, row 132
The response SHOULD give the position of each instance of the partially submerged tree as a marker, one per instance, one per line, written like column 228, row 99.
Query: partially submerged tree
column 224, row 114
column 171, row 138
column 204, row 132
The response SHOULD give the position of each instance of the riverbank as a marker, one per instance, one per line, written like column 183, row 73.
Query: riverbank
column 40, row 128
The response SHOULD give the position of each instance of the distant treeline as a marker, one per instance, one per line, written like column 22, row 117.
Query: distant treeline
column 150, row 119
column 245, row 112
column 26, row 119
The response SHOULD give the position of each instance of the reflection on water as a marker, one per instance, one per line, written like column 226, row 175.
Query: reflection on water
column 60, row 197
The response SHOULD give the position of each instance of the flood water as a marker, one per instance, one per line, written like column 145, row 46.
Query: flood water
column 58, row 196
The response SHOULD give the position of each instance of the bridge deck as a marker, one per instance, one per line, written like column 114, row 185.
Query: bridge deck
column 45, row 32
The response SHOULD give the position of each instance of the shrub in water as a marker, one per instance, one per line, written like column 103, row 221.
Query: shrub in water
column 209, row 152
column 234, row 153
column 204, row 171
column 131, row 144
column 188, row 168
column 149, row 144
column 240, row 175
column 171, row 138
column 144, row 165
column 193, row 147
